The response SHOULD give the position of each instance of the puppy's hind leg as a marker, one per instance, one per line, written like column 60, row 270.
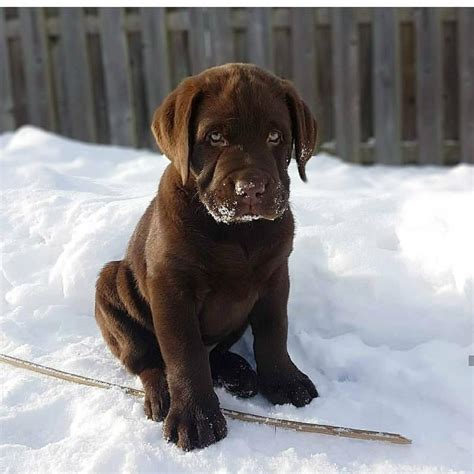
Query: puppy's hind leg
column 129, row 340
column 233, row 372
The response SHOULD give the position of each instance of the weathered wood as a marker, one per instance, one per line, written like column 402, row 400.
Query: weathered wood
column 18, row 83
column 117, row 80
column 450, row 81
column 38, row 75
column 64, row 117
column 259, row 37
column 7, row 119
column 386, row 86
column 408, row 78
column 466, row 85
column 429, row 85
column 222, row 44
column 304, row 55
column 346, row 83
column 77, row 74
column 295, row 43
column 283, row 58
column 155, row 55
column 325, row 83
column 198, row 34
column 141, row 121
column 365, row 83
column 98, row 88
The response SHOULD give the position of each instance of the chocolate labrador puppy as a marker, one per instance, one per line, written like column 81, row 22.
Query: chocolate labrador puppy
column 210, row 254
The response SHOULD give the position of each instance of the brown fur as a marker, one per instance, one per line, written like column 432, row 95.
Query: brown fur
column 198, row 269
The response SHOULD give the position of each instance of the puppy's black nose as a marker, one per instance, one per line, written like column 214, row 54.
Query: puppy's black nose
column 251, row 189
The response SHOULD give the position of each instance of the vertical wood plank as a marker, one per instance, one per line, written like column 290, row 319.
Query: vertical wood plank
column 324, row 69
column 221, row 36
column 155, row 55
column 198, row 36
column 179, row 57
column 143, row 134
column 117, row 80
column 408, row 81
column 386, row 86
column 7, row 119
column 283, row 56
column 98, row 88
column 58, row 78
column 18, row 83
column 37, row 69
column 466, row 86
column 450, row 81
column 304, row 55
column 346, row 83
column 365, row 82
column 77, row 74
column 259, row 37
column 429, row 85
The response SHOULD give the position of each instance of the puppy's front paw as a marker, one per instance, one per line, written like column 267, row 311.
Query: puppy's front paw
column 194, row 425
column 157, row 397
column 291, row 386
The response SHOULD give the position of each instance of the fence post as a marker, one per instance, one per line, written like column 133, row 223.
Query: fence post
column 222, row 39
column 198, row 34
column 304, row 54
column 117, row 77
column 259, row 37
column 156, row 58
column 346, row 83
column 7, row 119
column 386, row 86
column 34, row 43
column 466, row 82
column 80, row 108
column 429, row 86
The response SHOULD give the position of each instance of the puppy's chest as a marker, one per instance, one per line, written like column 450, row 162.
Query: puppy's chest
column 234, row 281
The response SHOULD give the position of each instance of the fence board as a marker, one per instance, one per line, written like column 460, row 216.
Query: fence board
column 259, row 37
column 386, row 87
column 450, row 81
column 366, row 104
column 346, row 83
column 77, row 74
column 429, row 85
column 112, row 67
column 98, row 88
column 466, row 86
column 325, row 83
column 221, row 36
column 304, row 55
column 155, row 55
column 197, row 40
column 7, row 120
column 38, row 77
column 60, row 84
column 117, row 80
column 408, row 78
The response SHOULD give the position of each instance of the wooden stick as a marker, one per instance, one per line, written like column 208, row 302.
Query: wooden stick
column 233, row 414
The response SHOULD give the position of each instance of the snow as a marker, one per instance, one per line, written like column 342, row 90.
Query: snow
column 381, row 315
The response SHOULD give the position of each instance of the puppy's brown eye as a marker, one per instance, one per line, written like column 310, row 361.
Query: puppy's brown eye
column 274, row 137
column 217, row 139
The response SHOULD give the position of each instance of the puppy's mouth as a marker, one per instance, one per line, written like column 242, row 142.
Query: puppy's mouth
column 233, row 211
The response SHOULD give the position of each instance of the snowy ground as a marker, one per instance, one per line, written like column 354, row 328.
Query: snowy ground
column 380, row 317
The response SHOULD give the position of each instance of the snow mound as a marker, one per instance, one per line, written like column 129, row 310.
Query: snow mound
column 381, row 314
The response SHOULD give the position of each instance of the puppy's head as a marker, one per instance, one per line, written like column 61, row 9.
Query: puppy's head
column 231, row 132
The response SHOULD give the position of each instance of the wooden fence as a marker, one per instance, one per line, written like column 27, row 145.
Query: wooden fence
column 387, row 85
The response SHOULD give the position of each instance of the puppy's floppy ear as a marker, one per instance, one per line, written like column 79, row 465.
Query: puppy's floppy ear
column 171, row 126
column 304, row 128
